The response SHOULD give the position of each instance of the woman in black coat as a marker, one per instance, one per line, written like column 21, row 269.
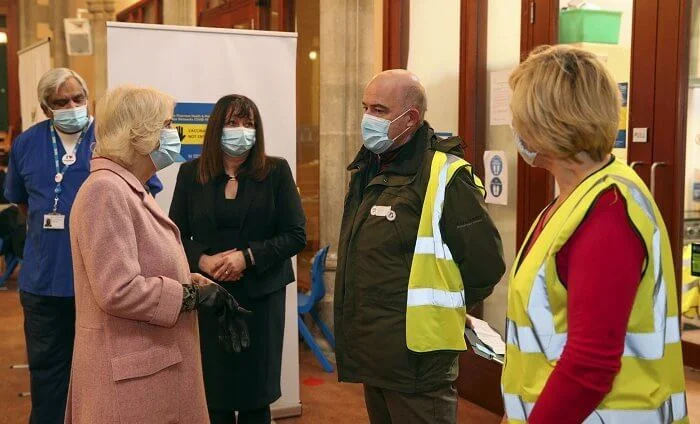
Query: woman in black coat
column 241, row 221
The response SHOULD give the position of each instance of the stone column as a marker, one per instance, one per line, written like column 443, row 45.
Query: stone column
column 347, row 64
column 35, row 21
column 180, row 12
column 59, row 11
column 101, row 11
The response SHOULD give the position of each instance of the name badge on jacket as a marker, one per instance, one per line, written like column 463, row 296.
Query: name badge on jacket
column 384, row 211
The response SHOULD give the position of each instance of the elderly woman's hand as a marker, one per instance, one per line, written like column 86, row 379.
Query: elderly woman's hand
column 199, row 279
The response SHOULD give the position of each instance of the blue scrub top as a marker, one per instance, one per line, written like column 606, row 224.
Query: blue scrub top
column 47, row 268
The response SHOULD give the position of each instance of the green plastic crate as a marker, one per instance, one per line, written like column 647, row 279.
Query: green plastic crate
column 589, row 26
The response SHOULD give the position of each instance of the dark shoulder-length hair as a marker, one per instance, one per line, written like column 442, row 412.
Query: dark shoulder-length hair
column 211, row 165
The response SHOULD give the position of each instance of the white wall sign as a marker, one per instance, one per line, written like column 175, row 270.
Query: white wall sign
column 496, row 181
column 500, row 96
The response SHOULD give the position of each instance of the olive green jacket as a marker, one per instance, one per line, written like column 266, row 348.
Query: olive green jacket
column 374, row 263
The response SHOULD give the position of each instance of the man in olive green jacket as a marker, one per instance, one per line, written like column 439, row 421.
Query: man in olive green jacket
column 388, row 183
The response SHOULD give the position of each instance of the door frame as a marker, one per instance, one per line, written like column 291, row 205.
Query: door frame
column 658, row 99
column 539, row 26
column 10, row 9
column 472, row 67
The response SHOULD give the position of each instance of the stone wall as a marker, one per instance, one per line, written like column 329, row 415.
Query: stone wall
column 348, row 62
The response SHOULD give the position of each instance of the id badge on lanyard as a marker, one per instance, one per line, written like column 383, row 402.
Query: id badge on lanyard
column 56, row 220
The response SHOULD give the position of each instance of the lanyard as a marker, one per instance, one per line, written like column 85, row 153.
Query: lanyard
column 60, row 172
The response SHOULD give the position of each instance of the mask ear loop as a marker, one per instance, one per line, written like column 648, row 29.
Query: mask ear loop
column 393, row 140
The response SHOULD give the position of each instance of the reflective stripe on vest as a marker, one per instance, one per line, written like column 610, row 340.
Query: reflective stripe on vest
column 543, row 338
column 433, row 297
column 436, row 307
column 673, row 409
column 640, row 345
column 426, row 246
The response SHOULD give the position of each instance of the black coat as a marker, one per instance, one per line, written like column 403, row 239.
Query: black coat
column 273, row 226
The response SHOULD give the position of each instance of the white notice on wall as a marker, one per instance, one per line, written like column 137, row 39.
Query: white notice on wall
column 500, row 98
column 496, row 182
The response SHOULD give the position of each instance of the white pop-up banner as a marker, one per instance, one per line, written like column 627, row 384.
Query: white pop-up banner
column 198, row 66
column 34, row 62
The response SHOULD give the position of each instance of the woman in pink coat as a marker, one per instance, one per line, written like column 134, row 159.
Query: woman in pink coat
column 136, row 357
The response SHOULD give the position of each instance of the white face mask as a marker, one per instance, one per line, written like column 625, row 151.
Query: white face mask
column 237, row 141
column 528, row 155
column 375, row 133
column 168, row 151
column 71, row 120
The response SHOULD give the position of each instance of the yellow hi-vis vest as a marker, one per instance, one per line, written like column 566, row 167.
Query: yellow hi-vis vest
column 436, row 312
column 690, row 298
column 650, row 387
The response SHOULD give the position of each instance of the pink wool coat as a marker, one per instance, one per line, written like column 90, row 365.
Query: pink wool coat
column 136, row 358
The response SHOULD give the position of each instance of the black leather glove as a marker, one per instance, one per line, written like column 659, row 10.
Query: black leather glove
column 233, row 330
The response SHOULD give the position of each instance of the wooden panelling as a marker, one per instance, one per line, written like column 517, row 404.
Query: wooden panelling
column 241, row 14
column 15, row 116
column 472, row 80
column 144, row 12
column 479, row 381
column 397, row 25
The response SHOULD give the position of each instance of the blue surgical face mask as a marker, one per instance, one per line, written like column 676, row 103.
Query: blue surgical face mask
column 71, row 120
column 237, row 141
column 375, row 133
column 169, row 150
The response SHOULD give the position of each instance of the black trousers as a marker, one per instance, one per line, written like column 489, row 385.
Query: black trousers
column 49, row 331
column 257, row 416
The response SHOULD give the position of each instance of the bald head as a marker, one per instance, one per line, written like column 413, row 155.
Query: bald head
column 397, row 96
column 400, row 88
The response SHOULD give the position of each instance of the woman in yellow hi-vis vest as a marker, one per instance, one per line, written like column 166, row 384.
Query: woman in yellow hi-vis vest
column 593, row 323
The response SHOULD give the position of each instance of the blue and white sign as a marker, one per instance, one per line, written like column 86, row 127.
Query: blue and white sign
column 496, row 178
column 496, row 165
column 496, row 187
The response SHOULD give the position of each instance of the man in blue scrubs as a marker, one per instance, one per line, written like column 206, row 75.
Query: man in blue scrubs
column 48, row 164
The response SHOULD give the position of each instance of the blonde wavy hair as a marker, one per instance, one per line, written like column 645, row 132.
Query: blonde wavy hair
column 565, row 102
column 128, row 121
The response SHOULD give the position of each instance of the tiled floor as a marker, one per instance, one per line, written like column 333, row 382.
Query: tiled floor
column 324, row 400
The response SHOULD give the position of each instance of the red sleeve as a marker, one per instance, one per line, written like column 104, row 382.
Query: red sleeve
column 601, row 266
